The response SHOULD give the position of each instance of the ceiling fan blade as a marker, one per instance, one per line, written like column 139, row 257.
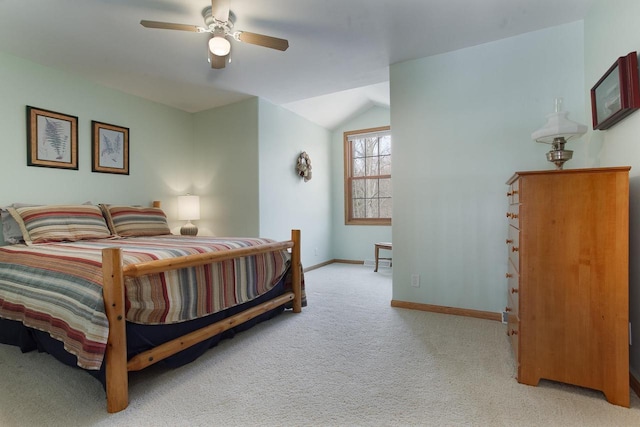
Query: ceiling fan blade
column 170, row 26
column 217, row 62
column 262, row 40
column 220, row 10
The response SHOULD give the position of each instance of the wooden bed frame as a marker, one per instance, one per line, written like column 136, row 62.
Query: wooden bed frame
column 116, row 365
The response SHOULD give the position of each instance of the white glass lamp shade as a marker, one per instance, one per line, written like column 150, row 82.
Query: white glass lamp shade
column 219, row 46
column 188, row 207
column 558, row 125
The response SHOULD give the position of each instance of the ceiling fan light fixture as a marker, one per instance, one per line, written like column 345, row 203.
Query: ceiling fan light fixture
column 219, row 46
column 219, row 20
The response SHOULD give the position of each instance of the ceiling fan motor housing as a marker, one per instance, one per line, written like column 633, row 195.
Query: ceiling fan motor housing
column 215, row 25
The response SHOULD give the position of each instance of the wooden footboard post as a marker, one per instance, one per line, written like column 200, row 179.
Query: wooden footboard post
column 297, row 271
column 117, row 379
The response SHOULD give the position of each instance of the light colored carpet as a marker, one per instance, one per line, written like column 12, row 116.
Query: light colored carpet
column 348, row 359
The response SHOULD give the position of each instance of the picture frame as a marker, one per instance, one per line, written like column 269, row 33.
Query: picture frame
column 52, row 139
column 616, row 94
column 109, row 148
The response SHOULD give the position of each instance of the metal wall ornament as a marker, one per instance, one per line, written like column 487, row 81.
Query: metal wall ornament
column 303, row 166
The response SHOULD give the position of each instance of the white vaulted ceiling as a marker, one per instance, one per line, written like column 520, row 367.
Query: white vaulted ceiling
column 337, row 63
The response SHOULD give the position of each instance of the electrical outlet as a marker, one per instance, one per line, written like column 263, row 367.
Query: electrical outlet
column 505, row 317
column 415, row 280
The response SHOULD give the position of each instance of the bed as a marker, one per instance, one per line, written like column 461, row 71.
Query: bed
column 111, row 290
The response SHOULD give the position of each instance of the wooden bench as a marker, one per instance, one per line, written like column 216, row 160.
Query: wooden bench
column 382, row 245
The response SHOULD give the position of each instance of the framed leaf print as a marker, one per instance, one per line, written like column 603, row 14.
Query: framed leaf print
column 109, row 148
column 52, row 139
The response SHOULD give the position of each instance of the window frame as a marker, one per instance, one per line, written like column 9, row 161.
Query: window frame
column 348, row 178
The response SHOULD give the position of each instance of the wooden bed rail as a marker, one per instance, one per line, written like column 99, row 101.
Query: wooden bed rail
column 159, row 266
column 117, row 366
column 156, row 354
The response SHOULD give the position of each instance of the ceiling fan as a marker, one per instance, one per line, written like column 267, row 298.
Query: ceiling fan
column 219, row 21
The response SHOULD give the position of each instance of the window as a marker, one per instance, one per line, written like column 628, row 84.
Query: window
column 367, row 176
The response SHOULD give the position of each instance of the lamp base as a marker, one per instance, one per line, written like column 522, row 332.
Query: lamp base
column 558, row 155
column 189, row 229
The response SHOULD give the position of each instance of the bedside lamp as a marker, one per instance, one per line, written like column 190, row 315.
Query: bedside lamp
column 189, row 209
column 557, row 131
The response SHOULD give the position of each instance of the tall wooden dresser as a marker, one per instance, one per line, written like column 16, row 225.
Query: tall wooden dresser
column 568, row 285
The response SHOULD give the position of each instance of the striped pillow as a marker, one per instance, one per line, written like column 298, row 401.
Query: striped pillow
column 41, row 224
column 127, row 221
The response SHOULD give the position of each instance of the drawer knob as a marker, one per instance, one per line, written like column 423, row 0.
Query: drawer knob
column 514, row 290
column 515, row 249
column 514, row 215
column 509, row 241
column 509, row 194
column 507, row 309
column 514, row 332
column 508, row 275
column 508, row 214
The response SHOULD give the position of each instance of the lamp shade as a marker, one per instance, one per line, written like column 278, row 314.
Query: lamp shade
column 219, row 46
column 558, row 125
column 188, row 207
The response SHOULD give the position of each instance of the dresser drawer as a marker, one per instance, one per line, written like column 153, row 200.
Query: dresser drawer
column 513, row 246
column 514, row 192
column 513, row 288
column 513, row 214
column 513, row 331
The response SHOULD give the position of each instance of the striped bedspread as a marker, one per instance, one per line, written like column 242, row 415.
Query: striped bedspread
column 57, row 287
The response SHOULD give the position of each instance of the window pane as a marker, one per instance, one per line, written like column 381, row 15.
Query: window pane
column 385, row 165
column 385, row 208
column 385, row 187
column 372, row 146
column 357, row 189
column 359, row 167
column 385, row 145
column 358, row 148
column 358, row 208
column 372, row 188
column 372, row 208
column 372, row 166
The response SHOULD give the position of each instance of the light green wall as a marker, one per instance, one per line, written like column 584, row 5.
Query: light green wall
column 225, row 169
column 461, row 124
column 238, row 158
column 161, row 141
column 611, row 31
column 244, row 172
column 353, row 242
column 286, row 201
